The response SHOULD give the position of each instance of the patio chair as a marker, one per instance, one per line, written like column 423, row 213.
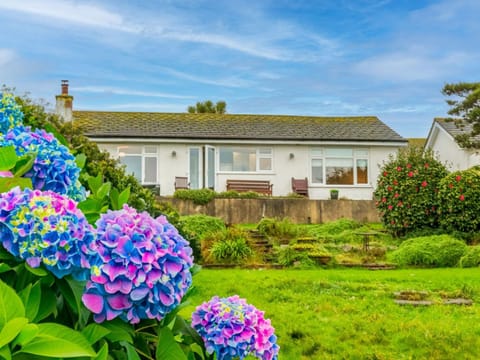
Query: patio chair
column 300, row 186
column 181, row 182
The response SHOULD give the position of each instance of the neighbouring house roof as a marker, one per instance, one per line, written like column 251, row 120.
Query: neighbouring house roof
column 456, row 127
column 419, row 142
column 98, row 124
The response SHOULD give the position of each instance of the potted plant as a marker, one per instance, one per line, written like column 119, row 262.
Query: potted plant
column 334, row 194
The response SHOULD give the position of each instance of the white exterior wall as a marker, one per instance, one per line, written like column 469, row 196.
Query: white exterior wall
column 284, row 168
column 448, row 151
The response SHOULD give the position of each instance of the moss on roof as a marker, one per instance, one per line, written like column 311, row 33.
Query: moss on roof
column 233, row 126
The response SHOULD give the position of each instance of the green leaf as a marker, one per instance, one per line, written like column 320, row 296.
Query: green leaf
column 80, row 160
column 95, row 332
column 11, row 329
column 123, row 197
column 24, row 164
column 94, row 183
column 58, row 341
column 11, row 305
column 90, row 206
column 103, row 353
column 5, row 353
column 48, row 304
column 7, row 184
column 131, row 352
column 103, row 190
column 39, row 271
column 27, row 334
column 167, row 347
column 114, row 198
column 5, row 255
column 61, row 139
column 119, row 331
column 4, row 268
column 31, row 296
column 8, row 158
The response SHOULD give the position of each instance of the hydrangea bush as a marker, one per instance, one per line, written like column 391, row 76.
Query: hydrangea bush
column 406, row 193
column 10, row 113
column 143, row 267
column 54, row 168
column 43, row 227
column 233, row 329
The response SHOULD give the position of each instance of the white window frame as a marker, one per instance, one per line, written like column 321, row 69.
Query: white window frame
column 319, row 153
column 260, row 153
column 143, row 155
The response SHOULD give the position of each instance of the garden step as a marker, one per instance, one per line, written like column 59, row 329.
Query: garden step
column 458, row 301
column 414, row 302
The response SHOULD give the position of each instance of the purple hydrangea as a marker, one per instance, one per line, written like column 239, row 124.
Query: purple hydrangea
column 43, row 227
column 10, row 113
column 142, row 270
column 233, row 329
column 54, row 168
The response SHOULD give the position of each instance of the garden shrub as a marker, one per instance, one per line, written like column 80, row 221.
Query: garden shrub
column 406, row 193
column 280, row 229
column 230, row 246
column 198, row 196
column 338, row 231
column 471, row 258
column 435, row 251
column 195, row 227
column 459, row 201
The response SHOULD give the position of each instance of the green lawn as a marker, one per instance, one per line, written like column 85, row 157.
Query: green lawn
column 351, row 314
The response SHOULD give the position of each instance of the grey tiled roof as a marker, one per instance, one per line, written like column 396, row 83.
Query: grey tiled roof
column 457, row 127
column 233, row 126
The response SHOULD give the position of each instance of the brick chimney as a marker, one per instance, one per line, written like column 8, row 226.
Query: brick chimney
column 63, row 107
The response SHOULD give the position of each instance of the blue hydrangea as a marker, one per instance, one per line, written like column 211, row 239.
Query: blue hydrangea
column 54, row 168
column 43, row 227
column 10, row 113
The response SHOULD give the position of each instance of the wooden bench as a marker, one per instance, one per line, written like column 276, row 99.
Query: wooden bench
column 259, row 186
column 300, row 186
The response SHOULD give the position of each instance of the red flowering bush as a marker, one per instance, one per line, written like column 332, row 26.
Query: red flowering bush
column 459, row 195
column 406, row 193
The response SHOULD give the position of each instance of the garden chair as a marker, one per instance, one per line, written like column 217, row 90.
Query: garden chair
column 181, row 182
column 300, row 186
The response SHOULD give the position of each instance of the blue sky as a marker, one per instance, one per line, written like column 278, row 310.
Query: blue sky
column 304, row 57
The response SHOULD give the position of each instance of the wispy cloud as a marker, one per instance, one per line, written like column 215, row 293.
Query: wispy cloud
column 130, row 92
column 73, row 12
column 6, row 56
column 232, row 81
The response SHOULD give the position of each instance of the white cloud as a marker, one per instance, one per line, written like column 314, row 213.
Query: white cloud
column 6, row 56
column 130, row 92
column 232, row 81
column 72, row 12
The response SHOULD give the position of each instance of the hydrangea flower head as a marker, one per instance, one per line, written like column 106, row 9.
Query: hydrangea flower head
column 54, row 167
column 10, row 113
column 142, row 270
column 43, row 227
column 233, row 329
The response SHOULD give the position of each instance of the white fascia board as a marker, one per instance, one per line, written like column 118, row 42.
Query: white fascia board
column 237, row 141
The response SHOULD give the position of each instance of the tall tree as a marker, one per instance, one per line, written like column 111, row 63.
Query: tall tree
column 208, row 107
column 466, row 106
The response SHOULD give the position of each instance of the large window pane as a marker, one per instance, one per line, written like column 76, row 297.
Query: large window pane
column 238, row 159
column 362, row 171
column 150, row 170
column 133, row 165
column 339, row 171
column 195, row 168
column 317, row 171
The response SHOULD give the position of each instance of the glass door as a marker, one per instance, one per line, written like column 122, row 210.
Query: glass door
column 194, row 166
column 209, row 170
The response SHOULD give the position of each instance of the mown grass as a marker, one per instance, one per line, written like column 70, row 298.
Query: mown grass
column 351, row 314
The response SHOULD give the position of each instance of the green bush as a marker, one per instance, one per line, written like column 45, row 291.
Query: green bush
column 471, row 257
column 230, row 246
column 195, row 227
column 406, row 193
column 279, row 229
column 459, row 201
column 198, row 196
column 435, row 251
column 338, row 231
